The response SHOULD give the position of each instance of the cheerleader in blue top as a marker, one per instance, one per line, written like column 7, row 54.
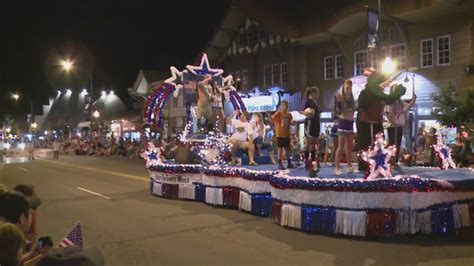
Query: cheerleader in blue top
column 345, row 107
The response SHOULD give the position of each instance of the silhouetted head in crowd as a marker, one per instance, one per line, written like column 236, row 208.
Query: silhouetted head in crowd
column 11, row 244
column 28, row 191
column 14, row 208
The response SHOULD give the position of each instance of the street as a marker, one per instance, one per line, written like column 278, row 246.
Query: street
column 111, row 199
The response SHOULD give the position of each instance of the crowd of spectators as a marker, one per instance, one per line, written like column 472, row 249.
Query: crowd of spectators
column 19, row 241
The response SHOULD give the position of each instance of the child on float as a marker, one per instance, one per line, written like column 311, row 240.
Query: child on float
column 311, row 123
column 345, row 107
column 283, row 120
column 258, row 127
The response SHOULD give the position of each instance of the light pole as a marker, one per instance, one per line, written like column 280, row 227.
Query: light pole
column 16, row 97
column 68, row 65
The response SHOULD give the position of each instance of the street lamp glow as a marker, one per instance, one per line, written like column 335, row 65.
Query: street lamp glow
column 34, row 125
column 388, row 66
column 67, row 65
column 69, row 91
column 59, row 93
column 103, row 93
column 84, row 91
column 96, row 114
column 16, row 96
column 112, row 92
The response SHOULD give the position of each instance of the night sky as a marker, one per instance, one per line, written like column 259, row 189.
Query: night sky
column 112, row 40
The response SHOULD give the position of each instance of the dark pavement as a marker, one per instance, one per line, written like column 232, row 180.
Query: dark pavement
column 132, row 227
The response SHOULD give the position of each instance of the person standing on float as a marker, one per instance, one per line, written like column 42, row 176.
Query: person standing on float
column 371, row 103
column 204, row 106
column 312, row 123
column 395, row 114
column 345, row 107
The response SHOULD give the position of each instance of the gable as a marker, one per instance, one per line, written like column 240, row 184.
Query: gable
column 251, row 38
column 142, row 87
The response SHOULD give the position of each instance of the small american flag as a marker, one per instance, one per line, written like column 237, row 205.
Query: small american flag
column 73, row 238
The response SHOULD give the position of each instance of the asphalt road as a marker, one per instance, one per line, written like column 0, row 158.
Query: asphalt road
column 131, row 227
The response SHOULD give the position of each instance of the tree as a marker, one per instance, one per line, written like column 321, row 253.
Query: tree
column 452, row 109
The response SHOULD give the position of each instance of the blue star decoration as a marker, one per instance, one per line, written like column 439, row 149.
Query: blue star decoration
column 153, row 155
column 444, row 153
column 204, row 68
column 379, row 159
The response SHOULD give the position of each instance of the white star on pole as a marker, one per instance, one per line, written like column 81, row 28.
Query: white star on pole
column 176, row 79
column 378, row 158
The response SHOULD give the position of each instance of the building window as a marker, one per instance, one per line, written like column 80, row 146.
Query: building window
column 267, row 76
column 284, row 73
column 328, row 67
column 245, row 79
column 426, row 52
column 361, row 42
column 276, row 74
column 443, row 50
column 398, row 54
column 361, row 61
column 339, row 66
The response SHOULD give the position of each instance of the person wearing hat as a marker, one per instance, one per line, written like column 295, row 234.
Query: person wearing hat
column 371, row 103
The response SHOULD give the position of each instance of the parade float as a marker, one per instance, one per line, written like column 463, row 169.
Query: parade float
column 380, row 202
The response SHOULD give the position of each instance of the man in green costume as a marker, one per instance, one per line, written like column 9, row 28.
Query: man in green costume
column 371, row 103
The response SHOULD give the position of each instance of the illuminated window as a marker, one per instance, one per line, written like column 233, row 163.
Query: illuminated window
column 267, row 76
column 361, row 61
column 339, row 66
column 398, row 54
column 328, row 67
column 284, row 73
column 426, row 53
column 276, row 74
column 443, row 50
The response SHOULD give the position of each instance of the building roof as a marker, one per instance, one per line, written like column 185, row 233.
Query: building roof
column 310, row 22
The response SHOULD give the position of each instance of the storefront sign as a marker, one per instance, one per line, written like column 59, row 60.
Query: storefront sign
column 261, row 103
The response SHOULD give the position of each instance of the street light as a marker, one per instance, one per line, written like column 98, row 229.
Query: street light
column 96, row 114
column 34, row 125
column 388, row 66
column 16, row 97
column 67, row 65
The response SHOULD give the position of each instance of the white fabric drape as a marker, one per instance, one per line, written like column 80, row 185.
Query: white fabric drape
column 351, row 222
column 461, row 215
column 245, row 201
column 291, row 216
column 214, row 196
column 187, row 191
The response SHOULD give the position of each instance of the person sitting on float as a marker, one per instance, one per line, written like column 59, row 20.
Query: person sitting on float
column 345, row 107
column 242, row 138
column 258, row 132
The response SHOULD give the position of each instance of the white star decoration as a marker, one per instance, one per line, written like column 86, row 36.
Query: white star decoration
column 204, row 68
column 378, row 158
column 152, row 155
column 444, row 152
column 176, row 79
